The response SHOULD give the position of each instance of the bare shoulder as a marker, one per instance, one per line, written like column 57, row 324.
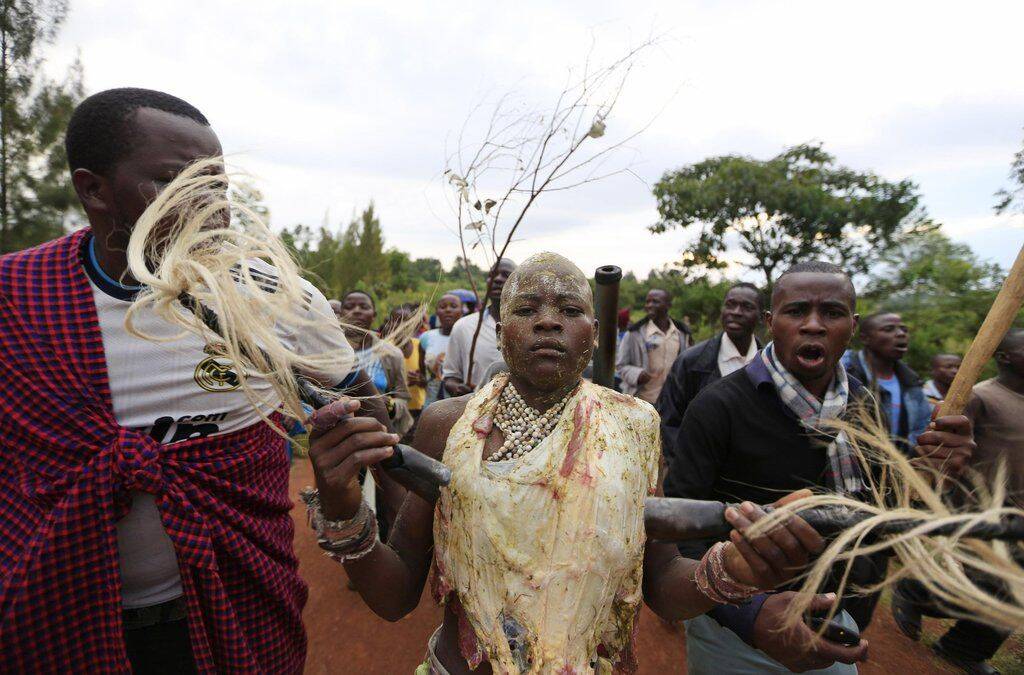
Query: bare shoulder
column 436, row 423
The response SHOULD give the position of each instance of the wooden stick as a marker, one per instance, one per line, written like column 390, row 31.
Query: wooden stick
column 998, row 321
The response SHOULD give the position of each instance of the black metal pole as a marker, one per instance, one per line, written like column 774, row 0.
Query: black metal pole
column 606, row 308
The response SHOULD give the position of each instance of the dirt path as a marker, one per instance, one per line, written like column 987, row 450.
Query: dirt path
column 346, row 637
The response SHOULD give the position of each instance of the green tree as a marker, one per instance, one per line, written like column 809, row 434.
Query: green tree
column 37, row 200
column 941, row 289
column 370, row 248
column 797, row 205
column 338, row 262
column 1013, row 196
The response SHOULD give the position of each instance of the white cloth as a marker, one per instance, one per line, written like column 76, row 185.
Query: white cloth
column 456, row 361
column 174, row 391
column 549, row 547
column 729, row 358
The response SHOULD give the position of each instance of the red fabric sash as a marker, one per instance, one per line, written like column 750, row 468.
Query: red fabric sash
column 66, row 472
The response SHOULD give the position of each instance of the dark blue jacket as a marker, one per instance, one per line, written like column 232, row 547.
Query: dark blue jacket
column 915, row 410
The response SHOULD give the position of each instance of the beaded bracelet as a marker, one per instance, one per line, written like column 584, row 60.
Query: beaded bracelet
column 341, row 540
column 714, row 581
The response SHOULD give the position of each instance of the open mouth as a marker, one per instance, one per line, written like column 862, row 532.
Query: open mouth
column 811, row 355
column 901, row 348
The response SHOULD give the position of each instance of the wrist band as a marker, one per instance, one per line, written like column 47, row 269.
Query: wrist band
column 341, row 540
column 714, row 581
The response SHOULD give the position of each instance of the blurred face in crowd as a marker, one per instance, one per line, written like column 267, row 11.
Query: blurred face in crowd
column 886, row 336
column 811, row 322
column 1010, row 354
column 357, row 310
column 657, row 304
column 944, row 368
column 498, row 276
column 448, row 310
column 547, row 323
column 740, row 312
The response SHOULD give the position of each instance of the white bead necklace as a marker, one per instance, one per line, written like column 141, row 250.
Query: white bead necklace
column 523, row 426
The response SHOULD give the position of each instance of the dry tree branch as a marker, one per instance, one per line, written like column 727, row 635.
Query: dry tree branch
column 530, row 153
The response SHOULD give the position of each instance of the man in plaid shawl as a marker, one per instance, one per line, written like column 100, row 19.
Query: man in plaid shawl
column 761, row 432
column 144, row 515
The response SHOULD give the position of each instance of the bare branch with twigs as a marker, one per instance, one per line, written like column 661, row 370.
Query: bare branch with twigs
column 525, row 153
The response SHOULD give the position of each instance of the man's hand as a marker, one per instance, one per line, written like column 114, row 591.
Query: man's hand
column 414, row 379
column 947, row 445
column 798, row 647
column 456, row 387
column 775, row 557
column 339, row 446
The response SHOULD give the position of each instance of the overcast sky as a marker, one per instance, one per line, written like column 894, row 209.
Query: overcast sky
column 333, row 104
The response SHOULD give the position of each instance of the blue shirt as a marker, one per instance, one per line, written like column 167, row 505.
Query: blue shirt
column 369, row 362
column 892, row 385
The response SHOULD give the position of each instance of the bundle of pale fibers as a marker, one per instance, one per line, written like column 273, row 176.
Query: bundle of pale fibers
column 195, row 241
column 961, row 571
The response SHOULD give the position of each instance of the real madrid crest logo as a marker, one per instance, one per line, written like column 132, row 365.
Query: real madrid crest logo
column 216, row 374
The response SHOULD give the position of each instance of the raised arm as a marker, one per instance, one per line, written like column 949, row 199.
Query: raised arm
column 390, row 578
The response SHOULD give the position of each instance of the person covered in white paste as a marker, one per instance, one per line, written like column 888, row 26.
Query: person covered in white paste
column 538, row 544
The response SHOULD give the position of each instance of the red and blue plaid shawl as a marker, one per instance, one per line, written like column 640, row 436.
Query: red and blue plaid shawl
column 66, row 470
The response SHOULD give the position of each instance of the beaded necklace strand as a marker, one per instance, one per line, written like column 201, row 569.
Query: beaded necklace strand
column 524, row 427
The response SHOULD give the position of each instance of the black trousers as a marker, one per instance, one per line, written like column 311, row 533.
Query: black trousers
column 967, row 640
column 160, row 649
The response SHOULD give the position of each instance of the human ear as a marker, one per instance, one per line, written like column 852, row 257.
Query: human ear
column 768, row 320
column 92, row 190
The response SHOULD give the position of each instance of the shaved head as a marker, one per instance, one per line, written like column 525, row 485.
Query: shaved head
column 546, row 268
column 816, row 267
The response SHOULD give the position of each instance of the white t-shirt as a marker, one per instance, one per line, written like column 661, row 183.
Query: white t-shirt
column 456, row 360
column 174, row 391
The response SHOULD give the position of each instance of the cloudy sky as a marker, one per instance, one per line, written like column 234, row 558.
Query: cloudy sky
column 333, row 104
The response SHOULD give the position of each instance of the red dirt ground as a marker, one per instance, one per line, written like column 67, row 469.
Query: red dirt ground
column 346, row 637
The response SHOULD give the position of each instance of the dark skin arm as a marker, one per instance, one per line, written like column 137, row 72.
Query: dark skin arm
column 765, row 562
column 391, row 577
column 456, row 387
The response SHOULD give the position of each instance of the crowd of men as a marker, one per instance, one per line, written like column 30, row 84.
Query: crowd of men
column 741, row 441
column 734, row 415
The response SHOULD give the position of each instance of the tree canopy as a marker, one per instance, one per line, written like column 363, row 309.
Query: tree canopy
column 36, row 195
column 1013, row 197
column 795, row 206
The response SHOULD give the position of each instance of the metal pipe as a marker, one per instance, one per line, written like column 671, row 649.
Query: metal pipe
column 606, row 309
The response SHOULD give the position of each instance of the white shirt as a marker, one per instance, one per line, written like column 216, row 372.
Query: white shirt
column 456, row 360
column 729, row 358
column 174, row 391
